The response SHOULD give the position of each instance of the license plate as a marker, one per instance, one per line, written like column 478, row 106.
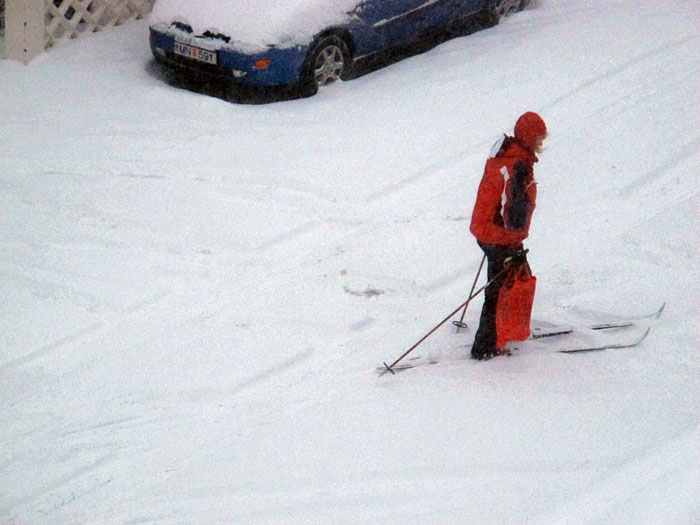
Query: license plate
column 196, row 53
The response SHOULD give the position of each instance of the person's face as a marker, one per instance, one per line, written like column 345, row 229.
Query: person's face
column 539, row 145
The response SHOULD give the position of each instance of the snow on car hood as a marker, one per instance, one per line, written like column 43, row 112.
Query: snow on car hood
column 255, row 24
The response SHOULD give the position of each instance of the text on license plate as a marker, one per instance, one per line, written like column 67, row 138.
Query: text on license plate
column 197, row 53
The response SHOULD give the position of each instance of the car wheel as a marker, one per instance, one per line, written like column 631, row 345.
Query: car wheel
column 501, row 8
column 326, row 63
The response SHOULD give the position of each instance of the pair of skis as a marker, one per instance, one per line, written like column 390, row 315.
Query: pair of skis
column 540, row 333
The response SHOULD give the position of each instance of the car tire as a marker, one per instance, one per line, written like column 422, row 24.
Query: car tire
column 327, row 62
column 502, row 8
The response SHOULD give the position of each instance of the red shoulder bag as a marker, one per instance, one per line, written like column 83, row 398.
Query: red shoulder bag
column 514, row 306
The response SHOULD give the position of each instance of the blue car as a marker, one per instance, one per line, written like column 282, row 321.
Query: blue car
column 302, row 43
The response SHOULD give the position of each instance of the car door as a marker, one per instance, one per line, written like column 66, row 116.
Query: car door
column 389, row 22
column 439, row 13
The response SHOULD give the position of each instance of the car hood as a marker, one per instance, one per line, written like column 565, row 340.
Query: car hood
column 255, row 25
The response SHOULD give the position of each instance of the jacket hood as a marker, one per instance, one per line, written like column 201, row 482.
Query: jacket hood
column 529, row 128
column 515, row 148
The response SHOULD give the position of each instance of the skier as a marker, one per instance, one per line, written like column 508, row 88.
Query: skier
column 502, row 215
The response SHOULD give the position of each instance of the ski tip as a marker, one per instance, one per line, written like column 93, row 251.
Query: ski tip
column 609, row 347
column 644, row 336
column 661, row 310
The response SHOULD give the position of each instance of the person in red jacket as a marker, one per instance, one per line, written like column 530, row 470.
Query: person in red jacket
column 502, row 214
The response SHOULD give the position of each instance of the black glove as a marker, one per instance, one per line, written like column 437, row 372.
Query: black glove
column 518, row 257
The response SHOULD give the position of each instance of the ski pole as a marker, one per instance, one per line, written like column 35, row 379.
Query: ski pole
column 461, row 324
column 389, row 368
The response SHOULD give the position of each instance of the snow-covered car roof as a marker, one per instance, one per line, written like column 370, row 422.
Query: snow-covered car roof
column 255, row 24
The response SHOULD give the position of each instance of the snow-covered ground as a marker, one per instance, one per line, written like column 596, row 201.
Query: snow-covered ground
column 195, row 294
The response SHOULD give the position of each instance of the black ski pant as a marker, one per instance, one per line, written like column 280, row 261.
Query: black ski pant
column 485, row 339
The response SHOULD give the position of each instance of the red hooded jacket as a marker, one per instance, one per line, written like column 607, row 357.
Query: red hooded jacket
column 507, row 194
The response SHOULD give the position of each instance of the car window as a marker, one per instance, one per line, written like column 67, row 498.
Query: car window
column 386, row 11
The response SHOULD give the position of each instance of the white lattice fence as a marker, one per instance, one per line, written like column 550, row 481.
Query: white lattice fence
column 70, row 18
column 33, row 25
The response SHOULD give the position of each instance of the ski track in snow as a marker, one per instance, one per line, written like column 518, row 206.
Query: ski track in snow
column 674, row 468
column 197, row 293
column 620, row 69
